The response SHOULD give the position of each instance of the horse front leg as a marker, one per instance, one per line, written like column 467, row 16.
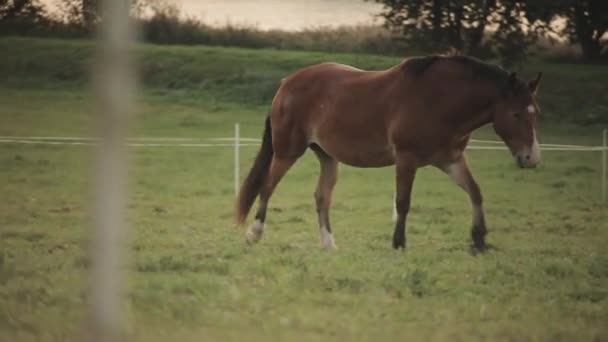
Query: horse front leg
column 461, row 175
column 405, row 173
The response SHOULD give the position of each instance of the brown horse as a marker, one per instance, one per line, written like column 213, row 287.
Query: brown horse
column 420, row 112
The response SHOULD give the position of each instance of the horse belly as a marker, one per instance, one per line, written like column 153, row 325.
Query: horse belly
column 358, row 153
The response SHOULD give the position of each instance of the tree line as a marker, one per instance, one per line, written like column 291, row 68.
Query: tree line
column 82, row 14
column 485, row 28
column 504, row 28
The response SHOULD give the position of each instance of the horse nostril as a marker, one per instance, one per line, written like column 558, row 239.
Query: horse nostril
column 528, row 157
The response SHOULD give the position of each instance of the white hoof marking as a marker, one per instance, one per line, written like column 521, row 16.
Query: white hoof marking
column 327, row 239
column 255, row 232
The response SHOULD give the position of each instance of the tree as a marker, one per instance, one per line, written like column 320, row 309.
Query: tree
column 440, row 24
column 584, row 22
column 80, row 13
column 22, row 17
column 587, row 25
column 510, row 39
column 25, row 10
column 89, row 12
column 475, row 27
column 85, row 13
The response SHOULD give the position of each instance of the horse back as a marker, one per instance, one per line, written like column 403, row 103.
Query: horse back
column 339, row 108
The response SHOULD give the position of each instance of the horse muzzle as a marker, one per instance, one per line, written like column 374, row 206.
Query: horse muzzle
column 524, row 161
column 528, row 158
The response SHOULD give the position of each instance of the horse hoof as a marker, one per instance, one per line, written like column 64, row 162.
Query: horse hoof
column 331, row 247
column 255, row 232
column 327, row 241
column 398, row 244
column 479, row 241
column 479, row 247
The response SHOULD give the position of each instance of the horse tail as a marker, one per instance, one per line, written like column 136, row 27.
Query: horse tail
column 257, row 176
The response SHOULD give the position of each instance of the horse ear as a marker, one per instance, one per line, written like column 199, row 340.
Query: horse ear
column 533, row 85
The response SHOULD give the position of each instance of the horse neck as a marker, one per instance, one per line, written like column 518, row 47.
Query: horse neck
column 481, row 111
column 478, row 120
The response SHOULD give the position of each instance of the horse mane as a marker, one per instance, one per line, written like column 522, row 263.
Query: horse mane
column 478, row 68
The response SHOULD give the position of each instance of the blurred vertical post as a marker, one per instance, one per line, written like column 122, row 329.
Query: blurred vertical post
column 115, row 87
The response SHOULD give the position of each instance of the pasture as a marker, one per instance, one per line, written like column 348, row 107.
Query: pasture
column 192, row 277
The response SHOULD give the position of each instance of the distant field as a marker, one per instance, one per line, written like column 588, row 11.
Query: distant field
column 192, row 276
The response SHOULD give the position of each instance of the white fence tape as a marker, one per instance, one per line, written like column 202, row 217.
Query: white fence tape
column 236, row 142
column 132, row 144
column 181, row 142
column 131, row 139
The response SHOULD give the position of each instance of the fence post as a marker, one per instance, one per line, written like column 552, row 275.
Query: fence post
column 236, row 159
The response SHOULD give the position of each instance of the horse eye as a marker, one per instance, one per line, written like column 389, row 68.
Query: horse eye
column 518, row 115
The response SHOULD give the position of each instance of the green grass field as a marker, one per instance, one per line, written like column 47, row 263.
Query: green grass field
column 193, row 278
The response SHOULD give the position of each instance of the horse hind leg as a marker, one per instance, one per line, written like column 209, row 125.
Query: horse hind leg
column 323, row 192
column 278, row 168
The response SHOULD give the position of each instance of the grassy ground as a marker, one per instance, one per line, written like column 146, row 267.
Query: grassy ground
column 191, row 275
